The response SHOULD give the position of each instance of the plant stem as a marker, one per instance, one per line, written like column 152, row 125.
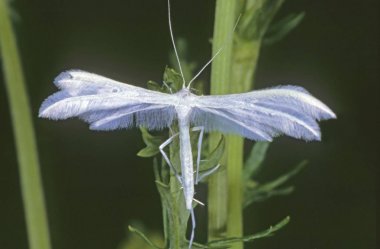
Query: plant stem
column 232, row 72
column 242, row 76
column 30, row 178
column 220, row 79
column 176, row 208
column 177, row 229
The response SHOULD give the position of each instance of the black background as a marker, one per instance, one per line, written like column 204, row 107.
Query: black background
column 95, row 184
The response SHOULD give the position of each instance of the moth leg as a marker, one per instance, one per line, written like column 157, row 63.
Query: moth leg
column 192, row 228
column 195, row 200
column 199, row 202
column 200, row 139
column 161, row 148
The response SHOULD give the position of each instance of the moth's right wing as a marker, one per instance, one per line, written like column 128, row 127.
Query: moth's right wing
column 263, row 114
column 107, row 104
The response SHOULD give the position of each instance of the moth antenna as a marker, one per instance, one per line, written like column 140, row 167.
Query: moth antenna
column 175, row 48
column 214, row 56
column 204, row 67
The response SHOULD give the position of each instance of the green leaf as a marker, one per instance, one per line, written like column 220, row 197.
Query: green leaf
column 257, row 196
column 282, row 179
column 149, row 151
column 263, row 234
column 152, row 144
column 282, row 28
column 255, row 192
column 214, row 157
column 173, row 79
column 131, row 241
column 163, row 189
column 149, row 139
column 257, row 17
column 142, row 235
column 202, row 246
column 248, row 25
column 255, row 159
column 154, row 86
column 175, row 213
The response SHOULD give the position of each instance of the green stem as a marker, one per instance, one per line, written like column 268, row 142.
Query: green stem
column 30, row 178
column 177, row 228
column 220, row 78
column 243, row 74
column 177, row 212
column 233, row 72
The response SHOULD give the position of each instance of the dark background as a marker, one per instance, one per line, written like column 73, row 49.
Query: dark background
column 95, row 184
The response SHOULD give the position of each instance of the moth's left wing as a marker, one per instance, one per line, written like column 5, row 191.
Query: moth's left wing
column 263, row 114
column 107, row 104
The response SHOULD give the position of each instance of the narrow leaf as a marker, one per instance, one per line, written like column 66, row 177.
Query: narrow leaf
column 284, row 178
column 257, row 196
column 214, row 157
column 282, row 28
column 255, row 192
column 152, row 144
column 154, row 86
column 172, row 79
column 202, row 246
column 142, row 235
column 256, row 19
column 148, row 151
column 149, row 139
column 255, row 159
column 263, row 234
column 156, row 171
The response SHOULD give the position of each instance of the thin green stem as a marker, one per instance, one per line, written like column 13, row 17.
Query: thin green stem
column 30, row 177
column 177, row 229
column 220, row 79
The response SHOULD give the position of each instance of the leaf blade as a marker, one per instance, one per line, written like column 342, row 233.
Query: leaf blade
column 282, row 28
column 263, row 234
column 143, row 236
column 255, row 159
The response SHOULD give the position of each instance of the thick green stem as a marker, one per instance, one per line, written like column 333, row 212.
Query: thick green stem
column 233, row 72
column 243, row 72
column 30, row 178
column 220, row 79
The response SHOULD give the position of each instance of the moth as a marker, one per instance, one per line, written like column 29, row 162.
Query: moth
column 259, row 115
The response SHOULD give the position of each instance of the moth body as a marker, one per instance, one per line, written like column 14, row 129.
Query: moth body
column 186, row 156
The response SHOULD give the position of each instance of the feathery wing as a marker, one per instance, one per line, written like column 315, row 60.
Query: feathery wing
column 107, row 104
column 263, row 114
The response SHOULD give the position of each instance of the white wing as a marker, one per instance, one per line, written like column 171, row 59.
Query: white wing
column 263, row 114
column 107, row 104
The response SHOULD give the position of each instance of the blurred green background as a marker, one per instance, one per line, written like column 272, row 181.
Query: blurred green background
column 95, row 184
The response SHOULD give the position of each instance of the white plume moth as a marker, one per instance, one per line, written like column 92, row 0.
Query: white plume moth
column 257, row 115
